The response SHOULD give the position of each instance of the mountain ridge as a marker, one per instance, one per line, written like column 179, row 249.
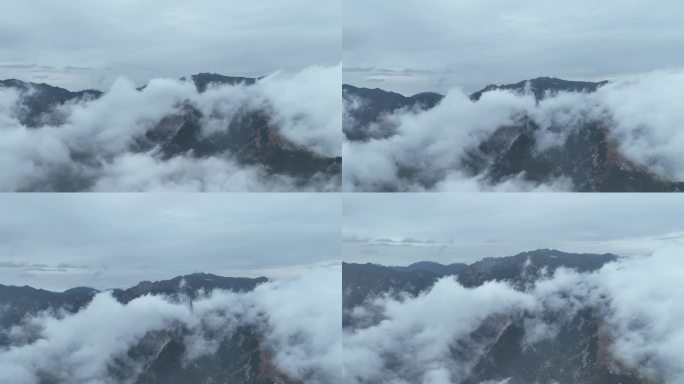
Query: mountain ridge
column 362, row 281
column 73, row 299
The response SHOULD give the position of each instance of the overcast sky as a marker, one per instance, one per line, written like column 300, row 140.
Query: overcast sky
column 413, row 46
column 399, row 229
column 82, row 43
column 58, row 241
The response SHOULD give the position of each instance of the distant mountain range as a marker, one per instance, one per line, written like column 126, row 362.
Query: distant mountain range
column 252, row 137
column 578, row 353
column 589, row 158
column 241, row 357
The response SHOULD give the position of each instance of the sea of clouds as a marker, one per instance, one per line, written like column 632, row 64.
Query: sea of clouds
column 305, row 107
column 299, row 319
column 411, row 339
column 643, row 116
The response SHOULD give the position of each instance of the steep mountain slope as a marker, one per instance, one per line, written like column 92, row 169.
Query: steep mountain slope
column 188, row 286
column 250, row 138
column 543, row 87
column 241, row 357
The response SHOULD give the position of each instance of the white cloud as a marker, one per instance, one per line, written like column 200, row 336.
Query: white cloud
column 299, row 318
column 638, row 298
column 412, row 342
column 429, row 147
column 304, row 107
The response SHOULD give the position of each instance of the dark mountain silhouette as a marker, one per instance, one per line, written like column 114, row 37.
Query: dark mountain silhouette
column 188, row 286
column 40, row 99
column 17, row 302
column 527, row 267
column 543, row 87
column 578, row 353
column 204, row 80
column 588, row 158
column 439, row 269
column 251, row 137
column 363, row 281
column 22, row 301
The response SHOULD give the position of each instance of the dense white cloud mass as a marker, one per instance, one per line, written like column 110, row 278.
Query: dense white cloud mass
column 639, row 298
column 89, row 144
column 140, row 172
column 305, row 318
column 647, row 120
column 647, row 311
column 299, row 318
column 413, row 341
column 431, row 141
column 307, row 107
column 428, row 149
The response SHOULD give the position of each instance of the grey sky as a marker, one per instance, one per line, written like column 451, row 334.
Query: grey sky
column 413, row 46
column 81, row 43
column 58, row 241
column 398, row 229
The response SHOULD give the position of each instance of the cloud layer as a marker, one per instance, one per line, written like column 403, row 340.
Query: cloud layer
column 89, row 144
column 429, row 148
column 415, row 338
column 299, row 319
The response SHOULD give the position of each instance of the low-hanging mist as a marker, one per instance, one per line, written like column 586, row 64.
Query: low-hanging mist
column 453, row 145
column 136, row 139
column 444, row 335
column 297, row 319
